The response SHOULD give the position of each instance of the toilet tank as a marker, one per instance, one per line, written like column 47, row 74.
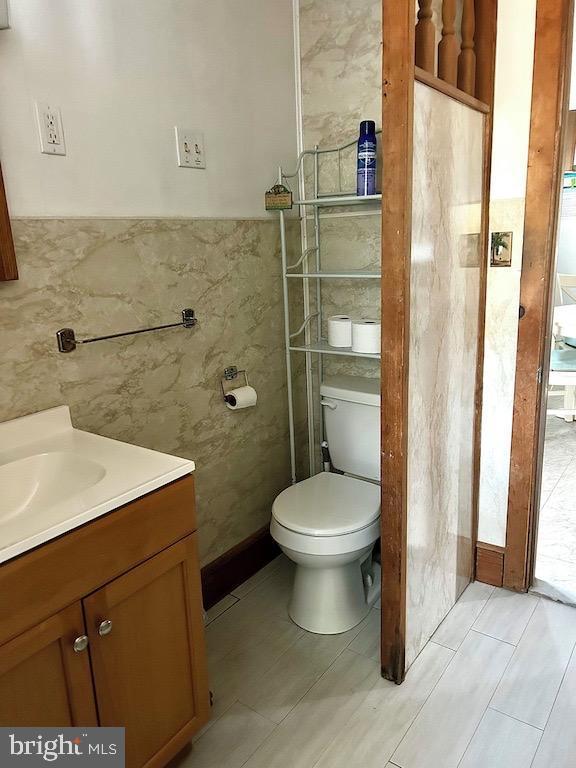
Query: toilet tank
column 351, row 406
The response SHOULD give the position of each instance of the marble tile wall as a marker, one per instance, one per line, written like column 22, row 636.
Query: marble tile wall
column 340, row 43
column 159, row 390
column 443, row 346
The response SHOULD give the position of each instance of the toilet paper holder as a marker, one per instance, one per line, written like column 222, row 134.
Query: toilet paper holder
column 229, row 380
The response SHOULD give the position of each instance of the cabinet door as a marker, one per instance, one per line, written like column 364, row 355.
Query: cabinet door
column 148, row 658
column 43, row 680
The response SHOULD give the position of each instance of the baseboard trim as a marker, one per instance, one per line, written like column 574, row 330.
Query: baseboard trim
column 489, row 563
column 229, row 570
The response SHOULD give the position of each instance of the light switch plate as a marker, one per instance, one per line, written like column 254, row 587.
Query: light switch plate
column 50, row 129
column 190, row 148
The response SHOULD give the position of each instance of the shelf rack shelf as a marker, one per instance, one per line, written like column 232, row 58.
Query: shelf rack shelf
column 340, row 200
column 322, row 347
column 308, row 338
column 352, row 275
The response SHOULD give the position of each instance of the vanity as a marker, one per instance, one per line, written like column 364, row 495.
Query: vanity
column 101, row 619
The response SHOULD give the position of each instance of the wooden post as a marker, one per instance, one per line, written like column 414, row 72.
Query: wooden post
column 425, row 37
column 467, row 58
column 448, row 47
column 550, row 93
column 484, row 45
column 398, row 25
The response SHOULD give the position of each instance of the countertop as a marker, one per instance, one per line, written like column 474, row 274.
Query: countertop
column 54, row 478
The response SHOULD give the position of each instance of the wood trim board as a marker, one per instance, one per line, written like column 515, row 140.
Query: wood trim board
column 552, row 54
column 489, row 564
column 229, row 570
column 8, row 267
column 486, row 34
column 398, row 28
column 422, row 76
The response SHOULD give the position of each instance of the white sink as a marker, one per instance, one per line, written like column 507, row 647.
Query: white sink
column 39, row 481
column 54, row 478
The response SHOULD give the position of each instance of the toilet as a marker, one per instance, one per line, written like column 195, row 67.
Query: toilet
column 328, row 524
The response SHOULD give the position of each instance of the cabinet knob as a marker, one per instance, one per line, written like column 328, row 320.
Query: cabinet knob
column 105, row 627
column 81, row 643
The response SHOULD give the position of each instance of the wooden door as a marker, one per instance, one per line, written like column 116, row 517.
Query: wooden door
column 149, row 662
column 43, row 681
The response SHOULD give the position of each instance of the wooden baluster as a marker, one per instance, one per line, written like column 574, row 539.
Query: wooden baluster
column 448, row 46
column 485, row 48
column 425, row 37
column 467, row 58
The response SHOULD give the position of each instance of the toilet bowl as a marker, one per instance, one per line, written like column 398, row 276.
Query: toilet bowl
column 328, row 524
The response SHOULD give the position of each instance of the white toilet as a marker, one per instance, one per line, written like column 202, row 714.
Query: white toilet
column 328, row 524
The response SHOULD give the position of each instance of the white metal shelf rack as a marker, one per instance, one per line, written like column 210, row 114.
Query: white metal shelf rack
column 310, row 272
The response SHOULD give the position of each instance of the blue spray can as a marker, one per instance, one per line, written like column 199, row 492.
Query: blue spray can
column 366, row 166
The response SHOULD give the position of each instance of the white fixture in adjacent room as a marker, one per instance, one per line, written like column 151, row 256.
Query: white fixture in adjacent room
column 329, row 523
column 190, row 148
column 50, row 129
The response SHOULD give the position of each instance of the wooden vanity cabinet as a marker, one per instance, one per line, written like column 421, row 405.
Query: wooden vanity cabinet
column 43, row 681
column 129, row 651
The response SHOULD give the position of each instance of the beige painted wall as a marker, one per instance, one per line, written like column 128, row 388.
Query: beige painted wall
column 124, row 74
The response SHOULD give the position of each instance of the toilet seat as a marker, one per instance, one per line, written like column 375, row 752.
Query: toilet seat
column 328, row 505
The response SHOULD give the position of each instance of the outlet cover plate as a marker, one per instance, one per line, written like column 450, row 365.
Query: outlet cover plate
column 190, row 148
column 50, row 130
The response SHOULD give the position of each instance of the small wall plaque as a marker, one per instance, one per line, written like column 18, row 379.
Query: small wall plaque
column 501, row 249
column 279, row 198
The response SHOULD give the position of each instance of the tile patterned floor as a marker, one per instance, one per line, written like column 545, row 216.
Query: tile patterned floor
column 556, row 553
column 494, row 688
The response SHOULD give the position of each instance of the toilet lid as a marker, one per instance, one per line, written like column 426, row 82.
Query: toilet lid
column 328, row 505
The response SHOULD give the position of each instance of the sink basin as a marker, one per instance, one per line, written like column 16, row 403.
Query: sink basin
column 37, row 482
column 55, row 478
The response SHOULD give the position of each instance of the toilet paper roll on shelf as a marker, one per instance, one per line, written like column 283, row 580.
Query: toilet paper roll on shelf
column 366, row 336
column 242, row 397
column 340, row 331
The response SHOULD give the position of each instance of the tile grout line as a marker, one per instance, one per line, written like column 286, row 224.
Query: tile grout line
column 258, row 584
column 289, row 713
column 236, row 600
column 559, row 687
column 537, row 603
column 512, row 717
column 424, row 702
column 503, row 671
column 345, row 648
column 499, row 639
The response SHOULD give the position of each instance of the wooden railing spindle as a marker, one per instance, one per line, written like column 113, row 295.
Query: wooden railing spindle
column 448, row 46
column 467, row 58
column 425, row 37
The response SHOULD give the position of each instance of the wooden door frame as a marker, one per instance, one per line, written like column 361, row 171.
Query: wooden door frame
column 552, row 56
column 398, row 38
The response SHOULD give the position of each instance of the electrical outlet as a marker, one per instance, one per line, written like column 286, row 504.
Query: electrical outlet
column 190, row 148
column 50, row 129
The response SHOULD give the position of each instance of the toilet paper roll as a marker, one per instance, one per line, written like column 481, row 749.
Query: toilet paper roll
column 242, row 397
column 340, row 331
column 366, row 336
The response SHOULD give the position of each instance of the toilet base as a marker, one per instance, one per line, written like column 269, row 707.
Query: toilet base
column 332, row 597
